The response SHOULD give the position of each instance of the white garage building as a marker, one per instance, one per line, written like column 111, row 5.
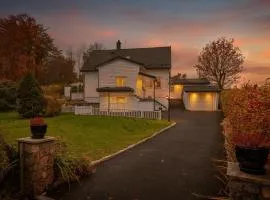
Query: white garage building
column 201, row 97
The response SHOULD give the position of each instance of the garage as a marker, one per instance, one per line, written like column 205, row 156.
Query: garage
column 201, row 98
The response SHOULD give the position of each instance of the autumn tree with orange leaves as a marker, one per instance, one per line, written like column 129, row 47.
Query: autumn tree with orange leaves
column 24, row 46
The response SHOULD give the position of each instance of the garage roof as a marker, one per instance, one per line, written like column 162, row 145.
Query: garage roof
column 201, row 88
column 189, row 81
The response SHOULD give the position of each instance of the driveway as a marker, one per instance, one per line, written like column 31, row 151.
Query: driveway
column 173, row 165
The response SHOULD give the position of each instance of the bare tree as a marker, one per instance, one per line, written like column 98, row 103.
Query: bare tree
column 220, row 62
column 79, row 58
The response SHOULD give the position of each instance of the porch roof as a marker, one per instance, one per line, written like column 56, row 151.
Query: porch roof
column 115, row 89
column 201, row 88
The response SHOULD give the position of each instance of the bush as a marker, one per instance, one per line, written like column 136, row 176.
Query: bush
column 247, row 110
column 55, row 90
column 53, row 107
column 7, row 96
column 67, row 168
column 9, row 171
column 30, row 98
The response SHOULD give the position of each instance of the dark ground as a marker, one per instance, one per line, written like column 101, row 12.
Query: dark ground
column 173, row 165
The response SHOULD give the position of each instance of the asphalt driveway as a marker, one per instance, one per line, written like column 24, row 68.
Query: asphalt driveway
column 174, row 165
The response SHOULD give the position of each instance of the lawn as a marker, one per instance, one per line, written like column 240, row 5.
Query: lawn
column 91, row 136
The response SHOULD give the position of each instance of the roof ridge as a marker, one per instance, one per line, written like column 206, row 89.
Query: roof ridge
column 131, row 48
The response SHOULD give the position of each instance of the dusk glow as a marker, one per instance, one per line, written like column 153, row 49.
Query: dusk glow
column 185, row 26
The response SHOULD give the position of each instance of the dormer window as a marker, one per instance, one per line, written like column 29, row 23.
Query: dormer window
column 120, row 81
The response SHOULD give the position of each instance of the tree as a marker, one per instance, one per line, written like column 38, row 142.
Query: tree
column 58, row 69
column 30, row 98
column 24, row 46
column 220, row 62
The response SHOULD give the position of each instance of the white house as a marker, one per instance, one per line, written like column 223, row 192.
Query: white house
column 128, row 79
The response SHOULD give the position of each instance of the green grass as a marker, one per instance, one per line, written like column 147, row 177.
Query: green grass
column 90, row 136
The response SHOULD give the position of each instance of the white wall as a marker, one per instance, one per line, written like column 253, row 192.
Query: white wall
column 108, row 73
column 90, row 84
column 131, row 103
column 163, row 92
column 77, row 95
column 146, row 105
column 177, row 91
column 67, row 91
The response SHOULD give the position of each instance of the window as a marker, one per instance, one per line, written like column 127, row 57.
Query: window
column 158, row 83
column 120, row 81
column 121, row 99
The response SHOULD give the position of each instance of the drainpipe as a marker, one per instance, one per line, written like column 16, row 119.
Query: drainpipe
column 154, row 94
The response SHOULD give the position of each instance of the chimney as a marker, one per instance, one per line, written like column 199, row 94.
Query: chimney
column 118, row 45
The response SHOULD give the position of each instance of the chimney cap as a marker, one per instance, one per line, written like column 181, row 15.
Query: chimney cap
column 118, row 45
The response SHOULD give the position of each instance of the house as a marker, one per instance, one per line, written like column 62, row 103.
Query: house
column 196, row 94
column 128, row 79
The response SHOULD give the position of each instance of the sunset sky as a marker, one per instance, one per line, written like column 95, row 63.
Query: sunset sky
column 186, row 26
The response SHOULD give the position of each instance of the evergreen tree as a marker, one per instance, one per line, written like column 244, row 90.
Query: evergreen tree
column 30, row 98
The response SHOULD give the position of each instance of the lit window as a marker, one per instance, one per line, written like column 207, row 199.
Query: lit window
column 158, row 83
column 120, row 81
column 121, row 99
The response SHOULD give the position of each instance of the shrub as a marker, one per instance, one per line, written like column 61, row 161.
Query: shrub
column 247, row 110
column 30, row 98
column 9, row 171
column 69, row 168
column 53, row 107
column 7, row 96
column 55, row 90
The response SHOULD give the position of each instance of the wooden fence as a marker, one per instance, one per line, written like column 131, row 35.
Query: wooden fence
column 90, row 110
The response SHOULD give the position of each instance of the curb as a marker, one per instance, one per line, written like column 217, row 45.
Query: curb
column 96, row 162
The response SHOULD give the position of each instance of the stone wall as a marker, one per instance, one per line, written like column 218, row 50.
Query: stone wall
column 245, row 186
column 36, row 163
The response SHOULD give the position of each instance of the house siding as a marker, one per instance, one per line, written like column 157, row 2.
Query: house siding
column 108, row 73
column 163, row 92
column 90, row 85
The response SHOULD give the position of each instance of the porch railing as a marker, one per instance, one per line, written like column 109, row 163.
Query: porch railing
column 90, row 110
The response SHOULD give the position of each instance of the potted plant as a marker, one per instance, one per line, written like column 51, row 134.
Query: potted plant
column 251, row 152
column 250, row 124
column 38, row 127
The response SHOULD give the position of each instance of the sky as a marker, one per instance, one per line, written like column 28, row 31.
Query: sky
column 186, row 26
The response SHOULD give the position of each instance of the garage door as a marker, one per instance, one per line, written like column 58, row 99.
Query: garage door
column 201, row 101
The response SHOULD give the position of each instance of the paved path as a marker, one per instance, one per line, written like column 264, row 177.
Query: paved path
column 173, row 165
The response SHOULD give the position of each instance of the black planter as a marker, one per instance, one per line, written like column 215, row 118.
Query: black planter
column 251, row 160
column 38, row 131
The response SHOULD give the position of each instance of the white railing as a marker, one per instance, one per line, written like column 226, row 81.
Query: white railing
column 90, row 110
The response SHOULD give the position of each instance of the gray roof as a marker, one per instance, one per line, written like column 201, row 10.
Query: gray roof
column 201, row 88
column 150, row 58
column 115, row 89
column 189, row 81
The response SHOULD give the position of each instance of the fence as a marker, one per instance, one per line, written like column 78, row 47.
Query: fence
column 90, row 110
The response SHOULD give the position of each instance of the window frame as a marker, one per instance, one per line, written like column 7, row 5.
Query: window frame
column 121, row 79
